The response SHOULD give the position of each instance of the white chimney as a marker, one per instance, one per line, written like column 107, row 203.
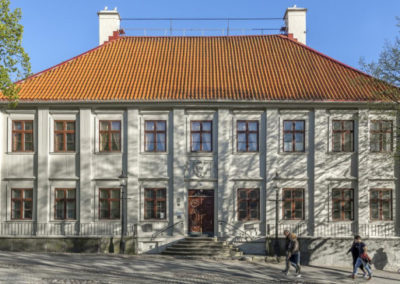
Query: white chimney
column 109, row 22
column 295, row 22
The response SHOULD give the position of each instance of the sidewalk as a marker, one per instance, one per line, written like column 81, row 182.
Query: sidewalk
column 16, row 267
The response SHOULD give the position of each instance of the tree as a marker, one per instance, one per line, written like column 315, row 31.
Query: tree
column 14, row 61
column 388, row 66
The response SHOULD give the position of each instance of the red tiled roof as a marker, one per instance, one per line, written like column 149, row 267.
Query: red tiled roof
column 201, row 68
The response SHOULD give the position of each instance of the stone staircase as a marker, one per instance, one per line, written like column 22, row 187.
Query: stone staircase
column 202, row 247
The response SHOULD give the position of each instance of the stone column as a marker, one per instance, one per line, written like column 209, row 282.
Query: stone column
column 178, row 126
column 272, row 161
column 132, row 169
column 224, row 150
column 361, row 194
column 86, row 192
column 320, row 213
column 43, row 186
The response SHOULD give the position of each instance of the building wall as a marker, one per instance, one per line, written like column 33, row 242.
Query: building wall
column 318, row 170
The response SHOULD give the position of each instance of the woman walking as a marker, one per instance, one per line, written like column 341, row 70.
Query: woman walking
column 354, row 253
column 362, row 258
column 294, row 254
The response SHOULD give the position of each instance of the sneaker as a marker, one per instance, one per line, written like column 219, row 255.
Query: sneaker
column 369, row 277
column 298, row 275
column 353, row 276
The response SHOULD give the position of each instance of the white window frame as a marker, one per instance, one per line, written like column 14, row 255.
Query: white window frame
column 31, row 115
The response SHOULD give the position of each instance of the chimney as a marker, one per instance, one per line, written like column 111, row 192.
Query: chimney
column 109, row 22
column 295, row 22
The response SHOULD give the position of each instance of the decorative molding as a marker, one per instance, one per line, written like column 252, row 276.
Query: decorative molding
column 63, row 178
column 19, row 178
column 63, row 111
column 199, row 169
column 247, row 179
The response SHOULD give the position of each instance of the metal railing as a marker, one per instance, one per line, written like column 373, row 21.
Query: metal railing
column 22, row 229
column 337, row 230
column 156, row 234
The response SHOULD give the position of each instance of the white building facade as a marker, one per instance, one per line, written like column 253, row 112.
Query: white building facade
column 238, row 169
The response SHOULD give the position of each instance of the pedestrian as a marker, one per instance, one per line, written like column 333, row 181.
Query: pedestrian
column 294, row 254
column 362, row 258
column 355, row 253
column 287, row 242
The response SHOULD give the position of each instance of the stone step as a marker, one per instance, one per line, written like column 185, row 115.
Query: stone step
column 200, row 242
column 194, row 250
column 204, row 239
column 203, row 253
column 216, row 246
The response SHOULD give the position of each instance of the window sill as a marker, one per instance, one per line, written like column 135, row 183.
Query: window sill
column 107, row 153
column 154, row 153
column 200, row 154
column 293, row 153
column 21, row 153
column 69, row 221
column 154, row 221
column 341, row 153
column 380, row 221
column 246, row 153
column 20, row 221
column 64, row 153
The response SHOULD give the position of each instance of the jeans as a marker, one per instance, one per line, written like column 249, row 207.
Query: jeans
column 359, row 261
column 294, row 261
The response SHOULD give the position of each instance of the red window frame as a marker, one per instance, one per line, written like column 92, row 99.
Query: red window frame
column 22, row 201
column 64, row 133
column 109, row 200
column 381, row 135
column 246, row 132
column 380, row 201
column 342, row 133
column 343, row 201
column 23, row 132
column 248, row 200
column 292, row 200
column 200, row 132
column 293, row 131
column 65, row 199
column 110, row 132
column 155, row 200
column 154, row 133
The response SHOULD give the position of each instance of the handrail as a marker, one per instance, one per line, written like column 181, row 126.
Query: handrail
column 235, row 227
column 163, row 230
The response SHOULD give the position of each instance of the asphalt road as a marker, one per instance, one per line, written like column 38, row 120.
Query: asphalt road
column 16, row 267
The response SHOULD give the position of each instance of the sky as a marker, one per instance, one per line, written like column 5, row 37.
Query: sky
column 57, row 30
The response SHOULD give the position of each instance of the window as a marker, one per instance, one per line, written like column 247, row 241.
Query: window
column 343, row 135
column 155, row 136
column 65, row 202
column 110, row 135
column 381, row 204
column 293, row 135
column 155, row 203
column 248, row 204
column 342, row 204
column 109, row 203
column 22, row 136
column 64, row 136
column 21, row 204
column 247, row 136
column 293, row 204
column 201, row 136
column 381, row 139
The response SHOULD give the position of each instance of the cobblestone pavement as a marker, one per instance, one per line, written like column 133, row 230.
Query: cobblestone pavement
column 16, row 267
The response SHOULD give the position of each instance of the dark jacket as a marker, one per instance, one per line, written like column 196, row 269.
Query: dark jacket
column 353, row 250
column 359, row 248
column 287, row 243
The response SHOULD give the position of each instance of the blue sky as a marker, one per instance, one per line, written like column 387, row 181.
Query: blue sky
column 57, row 30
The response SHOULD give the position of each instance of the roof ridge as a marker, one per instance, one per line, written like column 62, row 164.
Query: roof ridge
column 65, row 61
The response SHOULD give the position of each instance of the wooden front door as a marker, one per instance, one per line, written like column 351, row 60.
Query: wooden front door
column 201, row 212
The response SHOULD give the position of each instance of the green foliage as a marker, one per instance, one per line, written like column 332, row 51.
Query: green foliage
column 388, row 66
column 14, row 61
